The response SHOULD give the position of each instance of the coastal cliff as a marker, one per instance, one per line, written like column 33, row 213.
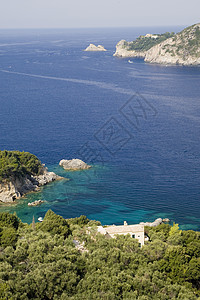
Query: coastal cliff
column 182, row 48
column 21, row 173
column 123, row 50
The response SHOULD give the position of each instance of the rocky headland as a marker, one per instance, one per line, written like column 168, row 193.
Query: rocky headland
column 92, row 47
column 182, row 48
column 21, row 173
column 122, row 50
column 74, row 164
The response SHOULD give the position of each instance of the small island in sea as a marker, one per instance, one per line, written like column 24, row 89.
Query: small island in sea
column 182, row 48
column 92, row 47
column 21, row 173
column 74, row 164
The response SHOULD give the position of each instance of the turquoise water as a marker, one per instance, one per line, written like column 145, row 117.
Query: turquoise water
column 60, row 102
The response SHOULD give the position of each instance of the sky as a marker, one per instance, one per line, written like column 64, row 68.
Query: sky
column 97, row 13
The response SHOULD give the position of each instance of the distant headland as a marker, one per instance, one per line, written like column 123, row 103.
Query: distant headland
column 182, row 48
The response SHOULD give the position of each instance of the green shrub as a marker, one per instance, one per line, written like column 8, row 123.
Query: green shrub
column 9, row 220
column 54, row 224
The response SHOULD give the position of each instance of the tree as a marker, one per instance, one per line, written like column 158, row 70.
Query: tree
column 33, row 223
column 54, row 224
column 9, row 220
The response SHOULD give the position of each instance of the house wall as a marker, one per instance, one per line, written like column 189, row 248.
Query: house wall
column 138, row 235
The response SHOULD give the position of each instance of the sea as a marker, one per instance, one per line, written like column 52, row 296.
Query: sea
column 137, row 124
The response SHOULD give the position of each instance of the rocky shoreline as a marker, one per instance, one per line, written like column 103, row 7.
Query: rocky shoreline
column 157, row 222
column 18, row 187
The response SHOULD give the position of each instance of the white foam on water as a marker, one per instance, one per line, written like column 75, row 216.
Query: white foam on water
column 99, row 84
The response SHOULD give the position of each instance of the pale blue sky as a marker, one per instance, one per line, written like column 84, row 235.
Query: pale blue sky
column 97, row 13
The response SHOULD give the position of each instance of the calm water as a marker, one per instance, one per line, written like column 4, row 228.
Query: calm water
column 137, row 124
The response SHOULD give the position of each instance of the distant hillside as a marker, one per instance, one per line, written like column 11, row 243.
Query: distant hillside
column 182, row 48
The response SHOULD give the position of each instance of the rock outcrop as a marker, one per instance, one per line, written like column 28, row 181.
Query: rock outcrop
column 155, row 223
column 35, row 203
column 182, row 48
column 92, row 47
column 17, row 187
column 74, row 164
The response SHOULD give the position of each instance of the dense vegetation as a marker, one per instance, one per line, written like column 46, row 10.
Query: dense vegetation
column 40, row 261
column 143, row 43
column 15, row 163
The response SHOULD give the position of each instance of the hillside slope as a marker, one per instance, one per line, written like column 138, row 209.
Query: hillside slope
column 67, row 259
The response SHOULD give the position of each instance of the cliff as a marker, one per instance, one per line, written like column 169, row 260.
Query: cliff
column 20, row 173
column 182, row 48
column 123, row 50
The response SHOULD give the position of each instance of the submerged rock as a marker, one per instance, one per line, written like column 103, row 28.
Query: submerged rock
column 74, row 164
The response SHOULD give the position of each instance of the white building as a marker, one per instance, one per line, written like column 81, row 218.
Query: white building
column 153, row 36
column 135, row 231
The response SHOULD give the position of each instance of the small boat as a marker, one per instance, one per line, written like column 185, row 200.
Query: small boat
column 40, row 219
column 130, row 61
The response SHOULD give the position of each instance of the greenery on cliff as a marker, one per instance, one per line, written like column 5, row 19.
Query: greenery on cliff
column 15, row 163
column 144, row 43
column 40, row 261
column 187, row 42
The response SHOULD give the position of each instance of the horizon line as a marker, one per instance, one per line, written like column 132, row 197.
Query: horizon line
column 102, row 27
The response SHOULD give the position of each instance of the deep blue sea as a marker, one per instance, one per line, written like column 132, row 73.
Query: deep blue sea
column 137, row 124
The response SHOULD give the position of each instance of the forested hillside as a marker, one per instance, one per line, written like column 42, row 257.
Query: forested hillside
column 40, row 261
